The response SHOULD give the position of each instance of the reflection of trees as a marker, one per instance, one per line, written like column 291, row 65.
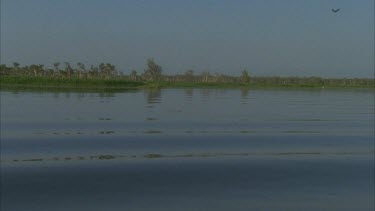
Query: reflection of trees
column 106, row 94
column 153, row 96
column 56, row 94
column 15, row 92
column 81, row 95
column 189, row 93
column 244, row 93
column 205, row 93
column 67, row 95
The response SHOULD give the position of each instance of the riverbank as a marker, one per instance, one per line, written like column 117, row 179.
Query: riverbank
column 23, row 82
column 245, row 85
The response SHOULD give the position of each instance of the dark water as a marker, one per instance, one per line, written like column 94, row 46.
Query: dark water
column 188, row 149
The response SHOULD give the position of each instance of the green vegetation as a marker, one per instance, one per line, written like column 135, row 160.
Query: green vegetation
column 153, row 156
column 188, row 155
column 105, row 76
column 45, row 81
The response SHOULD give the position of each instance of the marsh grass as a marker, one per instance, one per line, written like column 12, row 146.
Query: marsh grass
column 73, row 82
column 120, row 83
column 163, row 84
column 153, row 156
column 190, row 155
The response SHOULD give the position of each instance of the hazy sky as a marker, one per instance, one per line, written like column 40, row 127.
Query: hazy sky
column 266, row 37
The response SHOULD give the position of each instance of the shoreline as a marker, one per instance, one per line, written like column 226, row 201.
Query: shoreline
column 101, row 84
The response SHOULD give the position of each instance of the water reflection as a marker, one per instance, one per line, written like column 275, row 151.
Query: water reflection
column 106, row 95
column 67, row 95
column 56, row 95
column 205, row 94
column 153, row 96
column 210, row 111
column 80, row 95
column 201, row 155
column 244, row 95
column 301, row 142
column 189, row 94
column 220, row 92
column 15, row 92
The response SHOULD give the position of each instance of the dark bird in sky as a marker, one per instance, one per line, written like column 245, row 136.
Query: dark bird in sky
column 335, row 10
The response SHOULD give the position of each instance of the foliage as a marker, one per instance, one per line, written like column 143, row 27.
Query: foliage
column 153, row 71
column 107, row 75
column 245, row 78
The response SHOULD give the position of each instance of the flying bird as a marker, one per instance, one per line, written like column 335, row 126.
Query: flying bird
column 335, row 10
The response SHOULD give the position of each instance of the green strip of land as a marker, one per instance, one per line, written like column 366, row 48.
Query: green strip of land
column 27, row 82
column 40, row 82
column 106, row 76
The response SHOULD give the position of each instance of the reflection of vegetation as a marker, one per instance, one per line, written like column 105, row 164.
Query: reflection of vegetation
column 106, row 75
column 153, row 156
column 189, row 93
column 104, row 157
column 205, row 93
column 106, row 132
column 300, row 131
column 152, row 131
column 153, row 95
column 190, row 155
column 313, row 120
column 106, row 94
column 247, row 131
column 104, row 119
column 151, row 119
column 33, row 159
column 244, row 92
column 298, row 153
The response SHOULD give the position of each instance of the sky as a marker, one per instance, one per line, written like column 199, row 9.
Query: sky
column 265, row 37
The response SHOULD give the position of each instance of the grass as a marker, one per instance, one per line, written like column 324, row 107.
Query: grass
column 189, row 155
column 113, row 84
column 153, row 156
column 163, row 84
column 66, row 83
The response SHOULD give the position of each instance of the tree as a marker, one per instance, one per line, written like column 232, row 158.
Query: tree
column 133, row 75
column 245, row 78
column 93, row 71
column 37, row 69
column 189, row 76
column 16, row 65
column 4, row 70
column 205, row 75
column 56, row 68
column 107, row 69
column 153, row 71
column 68, row 69
column 80, row 69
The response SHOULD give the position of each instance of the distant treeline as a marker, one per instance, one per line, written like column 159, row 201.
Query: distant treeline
column 153, row 73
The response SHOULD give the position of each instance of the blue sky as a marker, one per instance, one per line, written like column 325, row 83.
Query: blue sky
column 266, row 37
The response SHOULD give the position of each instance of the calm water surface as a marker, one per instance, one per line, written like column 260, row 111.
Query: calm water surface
column 188, row 149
